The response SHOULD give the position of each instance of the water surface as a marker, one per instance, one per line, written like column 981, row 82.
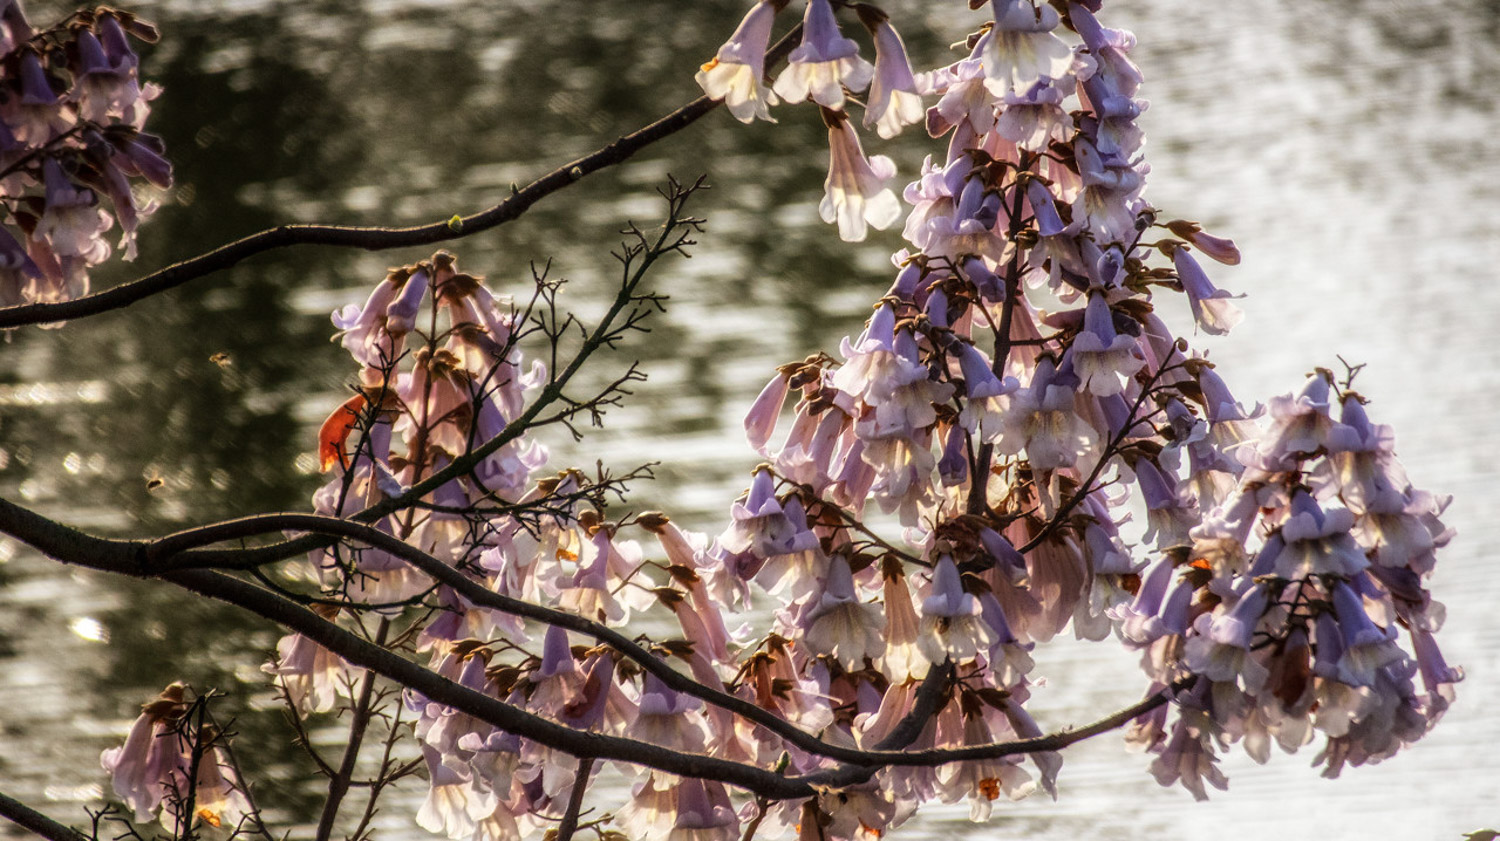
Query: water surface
column 1349, row 148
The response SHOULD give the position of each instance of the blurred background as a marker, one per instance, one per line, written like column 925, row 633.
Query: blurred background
column 1350, row 149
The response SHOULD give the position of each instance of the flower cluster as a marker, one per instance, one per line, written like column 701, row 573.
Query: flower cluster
column 821, row 69
column 1015, row 396
column 170, row 745
column 1012, row 400
column 73, row 152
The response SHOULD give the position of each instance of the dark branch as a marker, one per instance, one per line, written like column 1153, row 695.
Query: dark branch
column 545, row 732
column 569, row 823
column 128, row 557
column 30, row 819
column 375, row 238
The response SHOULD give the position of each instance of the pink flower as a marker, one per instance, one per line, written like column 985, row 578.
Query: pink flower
column 825, row 63
column 452, row 806
column 153, row 765
column 902, row 657
column 36, row 116
column 106, row 85
column 838, row 624
column 141, row 768
column 1171, row 511
column 704, row 813
column 763, row 530
column 1218, row 248
column 951, row 623
column 1043, row 421
column 760, row 421
column 1111, row 193
column 982, row 781
column 1220, row 648
column 312, row 676
column 401, row 315
column 1034, row 118
column 1312, row 541
column 965, row 100
column 1188, row 756
column 669, row 719
column 72, row 224
column 1021, row 48
column 1211, row 307
column 18, row 272
column 855, row 194
column 1366, row 646
column 736, row 73
column 363, row 328
column 893, row 101
column 1300, row 424
column 589, row 593
column 1103, row 359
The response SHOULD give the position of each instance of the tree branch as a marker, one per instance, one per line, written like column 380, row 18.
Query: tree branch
column 569, row 823
column 30, row 819
column 338, row 783
column 484, row 597
column 493, row 711
column 376, row 238
column 128, row 557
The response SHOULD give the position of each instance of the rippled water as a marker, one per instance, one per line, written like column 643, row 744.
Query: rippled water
column 1350, row 148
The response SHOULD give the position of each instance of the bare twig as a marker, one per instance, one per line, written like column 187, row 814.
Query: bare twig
column 338, row 783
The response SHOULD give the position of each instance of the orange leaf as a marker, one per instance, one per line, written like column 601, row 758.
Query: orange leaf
column 336, row 430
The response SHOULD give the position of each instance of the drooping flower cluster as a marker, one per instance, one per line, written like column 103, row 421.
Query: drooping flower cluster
column 1013, row 398
column 169, row 746
column 820, row 69
column 1014, row 395
column 73, row 152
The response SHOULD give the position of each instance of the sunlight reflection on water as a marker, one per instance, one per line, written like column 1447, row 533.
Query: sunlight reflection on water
column 1350, row 149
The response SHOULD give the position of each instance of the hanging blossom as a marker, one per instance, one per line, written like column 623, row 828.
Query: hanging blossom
column 71, row 136
column 1287, row 601
column 736, row 74
column 855, row 194
column 895, row 100
column 824, row 63
column 155, row 766
column 1021, row 48
column 1211, row 307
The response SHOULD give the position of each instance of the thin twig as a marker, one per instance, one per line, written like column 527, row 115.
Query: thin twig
column 569, row 822
column 338, row 784
column 674, row 237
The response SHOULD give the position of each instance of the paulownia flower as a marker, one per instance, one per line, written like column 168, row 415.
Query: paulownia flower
column 825, row 62
column 855, row 194
column 737, row 72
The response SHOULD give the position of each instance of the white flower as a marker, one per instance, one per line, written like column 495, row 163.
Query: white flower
column 839, row 624
column 1021, row 47
column 1102, row 358
column 893, row 101
column 824, row 63
column 951, row 624
column 855, row 192
column 736, row 73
